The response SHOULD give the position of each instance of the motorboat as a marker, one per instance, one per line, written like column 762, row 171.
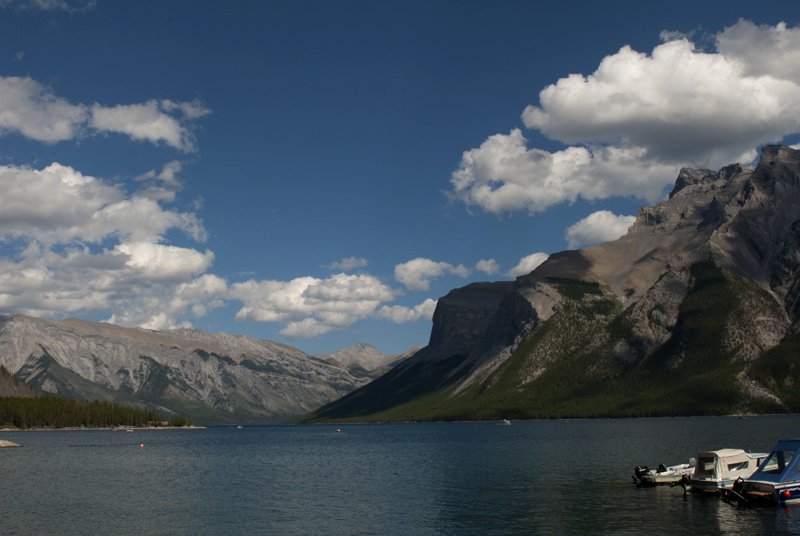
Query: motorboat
column 662, row 474
column 718, row 469
column 777, row 479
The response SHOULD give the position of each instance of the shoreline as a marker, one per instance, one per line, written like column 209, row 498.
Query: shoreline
column 104, row 428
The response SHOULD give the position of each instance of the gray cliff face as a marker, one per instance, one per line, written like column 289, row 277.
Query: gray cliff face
column 746, row 221
column 462, row 327
column 238, row 378
column 462, row 317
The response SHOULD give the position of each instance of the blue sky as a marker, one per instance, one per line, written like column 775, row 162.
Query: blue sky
column 320, row 173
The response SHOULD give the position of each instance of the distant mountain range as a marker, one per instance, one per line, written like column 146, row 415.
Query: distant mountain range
column 211, row 379
column 693, row 311
column 365, row 360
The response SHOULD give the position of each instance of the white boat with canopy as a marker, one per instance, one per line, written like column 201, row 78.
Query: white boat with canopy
column 719, row 469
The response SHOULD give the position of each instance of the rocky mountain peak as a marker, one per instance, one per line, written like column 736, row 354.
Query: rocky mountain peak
column 691, row 177
column 361, row 355
column 603, row 311
column 778, row 170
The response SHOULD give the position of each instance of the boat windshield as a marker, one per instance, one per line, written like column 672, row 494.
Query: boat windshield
column 777, row 461
column 705, row 466
column 739, row 466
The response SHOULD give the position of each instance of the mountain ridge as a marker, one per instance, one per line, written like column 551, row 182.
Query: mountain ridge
column 631, row 306
column 211, row 379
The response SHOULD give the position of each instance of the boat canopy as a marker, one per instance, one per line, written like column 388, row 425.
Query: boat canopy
column 781, row 465
column 724, row 464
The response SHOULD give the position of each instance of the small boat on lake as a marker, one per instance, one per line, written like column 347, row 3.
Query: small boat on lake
column 718, row 469
column 777, row 479
column 662, row 474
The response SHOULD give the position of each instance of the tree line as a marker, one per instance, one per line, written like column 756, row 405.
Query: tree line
column 44, row 411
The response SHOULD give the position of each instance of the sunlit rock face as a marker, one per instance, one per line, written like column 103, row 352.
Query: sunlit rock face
column 746, row 221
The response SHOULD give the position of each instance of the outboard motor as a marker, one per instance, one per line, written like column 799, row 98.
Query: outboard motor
column 735, row 493
column 640, row 470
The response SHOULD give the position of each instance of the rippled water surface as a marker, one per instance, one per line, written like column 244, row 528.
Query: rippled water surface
column 539, row 477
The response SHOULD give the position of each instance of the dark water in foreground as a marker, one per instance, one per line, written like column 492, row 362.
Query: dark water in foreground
column 549, row 477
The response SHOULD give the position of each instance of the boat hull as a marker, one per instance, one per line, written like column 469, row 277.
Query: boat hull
column 711, row 486
column 784, row 493
column 654, row 480
column 777, row 479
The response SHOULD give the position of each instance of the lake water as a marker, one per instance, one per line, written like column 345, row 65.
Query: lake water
column 537, row 477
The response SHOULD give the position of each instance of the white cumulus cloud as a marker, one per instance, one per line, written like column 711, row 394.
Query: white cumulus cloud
column 527, row 264
column 598, row 227
column 416, row 274
column 32, row 109
column 77, row 244
column 58, row 204
column 763, row 50
column 632, row 124
column 401, row 315
column 487, row 266
column 504, row 175
column 162, row 186
column 348, row 264
column 158, row 262
column 310, row 306
column 150, row 121
column 51, row 5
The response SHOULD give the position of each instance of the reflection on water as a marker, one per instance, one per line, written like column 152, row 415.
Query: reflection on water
column 544, row 477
